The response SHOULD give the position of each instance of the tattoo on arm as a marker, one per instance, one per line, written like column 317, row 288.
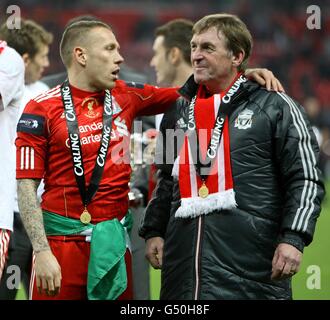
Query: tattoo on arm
column 31, row 213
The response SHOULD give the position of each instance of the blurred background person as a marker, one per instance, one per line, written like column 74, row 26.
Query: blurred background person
column 172, row 69
column 11, row 94
column 320, row 120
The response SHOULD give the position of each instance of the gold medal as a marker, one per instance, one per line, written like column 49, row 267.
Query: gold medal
column 203, row 191
column 85, row 217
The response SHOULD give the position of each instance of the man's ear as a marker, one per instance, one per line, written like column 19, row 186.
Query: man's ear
column 26, row 58
column 80, row 55
column 175, row 55
column 237, row 60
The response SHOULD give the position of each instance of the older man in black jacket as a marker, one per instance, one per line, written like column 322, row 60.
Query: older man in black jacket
column 235, row 213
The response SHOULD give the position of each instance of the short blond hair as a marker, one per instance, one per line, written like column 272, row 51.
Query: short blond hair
column 76, row 34
column 237, row 35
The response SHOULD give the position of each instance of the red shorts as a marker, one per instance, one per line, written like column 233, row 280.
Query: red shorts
column 72, row 254
column 4, row 243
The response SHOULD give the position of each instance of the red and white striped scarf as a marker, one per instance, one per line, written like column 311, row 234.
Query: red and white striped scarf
column 219, row 181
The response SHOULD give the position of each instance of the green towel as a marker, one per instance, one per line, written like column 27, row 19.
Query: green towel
column 106, row 279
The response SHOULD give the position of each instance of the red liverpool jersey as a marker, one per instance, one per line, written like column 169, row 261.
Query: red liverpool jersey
column 43, row 146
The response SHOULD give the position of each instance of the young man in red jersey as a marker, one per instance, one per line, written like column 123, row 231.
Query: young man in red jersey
column 82, row 142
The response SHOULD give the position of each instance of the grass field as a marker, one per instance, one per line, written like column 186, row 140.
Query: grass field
column 316, row 258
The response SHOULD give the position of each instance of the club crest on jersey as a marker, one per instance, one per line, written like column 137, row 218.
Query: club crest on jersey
column 244, row 119
column 90, row 103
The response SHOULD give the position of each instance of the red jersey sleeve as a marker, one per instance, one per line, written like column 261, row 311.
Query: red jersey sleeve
column 31, row 142
column 149, row 100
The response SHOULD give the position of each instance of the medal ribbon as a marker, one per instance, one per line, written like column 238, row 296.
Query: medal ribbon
column 75, row 145
column 224, row 110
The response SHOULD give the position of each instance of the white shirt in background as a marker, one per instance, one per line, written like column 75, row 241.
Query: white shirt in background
column 11, row 91
column 32, row 90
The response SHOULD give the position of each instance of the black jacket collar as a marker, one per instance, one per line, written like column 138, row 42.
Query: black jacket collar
column 189, row 90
